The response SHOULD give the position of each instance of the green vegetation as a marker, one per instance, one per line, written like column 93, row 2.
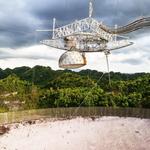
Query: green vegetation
column 41, row 87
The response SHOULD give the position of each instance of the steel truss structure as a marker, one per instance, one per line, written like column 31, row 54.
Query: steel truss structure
column 135, row 25
column 85, row 25
column 89, row 35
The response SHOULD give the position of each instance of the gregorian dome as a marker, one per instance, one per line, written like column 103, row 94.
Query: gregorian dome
column 72, row 60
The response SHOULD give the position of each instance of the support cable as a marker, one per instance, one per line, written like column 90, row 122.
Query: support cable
column 108, row 68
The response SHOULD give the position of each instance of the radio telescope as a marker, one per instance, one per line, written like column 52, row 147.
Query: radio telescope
column 89, row 35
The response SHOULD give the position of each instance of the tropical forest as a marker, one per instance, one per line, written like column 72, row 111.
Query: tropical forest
column 25, row 88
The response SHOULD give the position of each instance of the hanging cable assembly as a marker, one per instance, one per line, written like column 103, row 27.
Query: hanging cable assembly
column 108, row 67
column 95, row 85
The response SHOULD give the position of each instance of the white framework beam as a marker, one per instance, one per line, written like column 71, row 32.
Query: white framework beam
column 87, row 24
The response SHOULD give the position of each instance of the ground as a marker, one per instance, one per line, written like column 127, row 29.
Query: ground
column 106, row 133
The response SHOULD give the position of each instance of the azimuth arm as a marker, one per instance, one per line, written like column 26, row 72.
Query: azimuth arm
column 135, row 25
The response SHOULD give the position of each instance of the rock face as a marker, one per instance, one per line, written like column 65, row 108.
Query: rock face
column 3, row 130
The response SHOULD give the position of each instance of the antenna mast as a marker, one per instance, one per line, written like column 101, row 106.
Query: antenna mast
column 54, row 24
column 90, row 8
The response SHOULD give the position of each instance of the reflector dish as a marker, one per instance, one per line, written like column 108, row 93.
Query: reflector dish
column 72, row 60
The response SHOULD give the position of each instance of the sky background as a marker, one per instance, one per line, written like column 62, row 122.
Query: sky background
column 19, row 43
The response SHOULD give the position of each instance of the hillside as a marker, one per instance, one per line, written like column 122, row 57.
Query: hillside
column 42, row 87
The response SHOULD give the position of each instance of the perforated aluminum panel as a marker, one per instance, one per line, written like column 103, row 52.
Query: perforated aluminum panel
column 72, row 60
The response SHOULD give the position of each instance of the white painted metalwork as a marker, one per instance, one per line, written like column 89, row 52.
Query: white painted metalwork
column 72, row 60
column 85, row 25
column 54, row 23
column 89, row 35
column 118, row 44
column 135, row 25
column 90, row 8
column 87, row 43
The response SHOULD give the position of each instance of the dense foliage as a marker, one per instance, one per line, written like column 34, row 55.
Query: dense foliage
column 42, row 87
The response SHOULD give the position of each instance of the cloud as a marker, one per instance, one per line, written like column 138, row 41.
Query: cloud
column 46, row 56
column 20, row 18
column 17, row 24
column 34, row 52
column 132, row 61
column 29, row 56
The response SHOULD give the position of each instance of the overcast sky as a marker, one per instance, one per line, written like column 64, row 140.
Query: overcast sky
column 19, row 43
